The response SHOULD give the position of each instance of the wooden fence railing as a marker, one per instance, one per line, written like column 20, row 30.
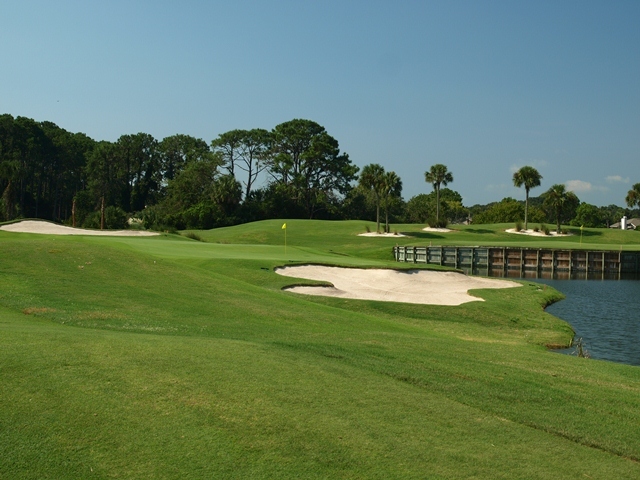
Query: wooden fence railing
column 522, row 259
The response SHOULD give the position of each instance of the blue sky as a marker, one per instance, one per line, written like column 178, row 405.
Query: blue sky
column 483, row 87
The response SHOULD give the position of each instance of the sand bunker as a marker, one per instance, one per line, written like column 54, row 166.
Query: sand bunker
column 381, row 235
column 437, row 230
column 533, row 233
column 34, row 226
column 409, row 286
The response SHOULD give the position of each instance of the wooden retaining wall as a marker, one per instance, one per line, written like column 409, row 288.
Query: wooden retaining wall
column 509, row 259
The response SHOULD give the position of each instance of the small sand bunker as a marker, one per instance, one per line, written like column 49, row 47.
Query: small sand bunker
column 34, row 226
column 409, row 286
column 437, row 230
column 381, row 235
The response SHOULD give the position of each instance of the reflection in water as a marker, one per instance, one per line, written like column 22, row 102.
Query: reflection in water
column 548, row 275
column 602, row 309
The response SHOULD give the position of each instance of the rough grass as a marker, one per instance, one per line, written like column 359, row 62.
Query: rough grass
column 168, row 358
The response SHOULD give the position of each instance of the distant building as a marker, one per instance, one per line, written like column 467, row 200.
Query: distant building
column 632, row 224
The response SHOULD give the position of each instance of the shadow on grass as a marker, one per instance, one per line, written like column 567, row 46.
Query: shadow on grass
column 585, row 233
column 478, row 230
column 421, row 235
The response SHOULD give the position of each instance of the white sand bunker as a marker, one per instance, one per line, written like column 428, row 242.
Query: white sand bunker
column 437, row 230
column 381, row 235
column 533, row 233
column 409, row 286
column 34, row 226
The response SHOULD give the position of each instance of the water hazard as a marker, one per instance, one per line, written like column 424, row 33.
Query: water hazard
column 604, row 310
column 605, row 314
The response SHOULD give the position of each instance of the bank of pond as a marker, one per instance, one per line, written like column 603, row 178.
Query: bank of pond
column 602, row 288
column 603, row 310
column 604, row 314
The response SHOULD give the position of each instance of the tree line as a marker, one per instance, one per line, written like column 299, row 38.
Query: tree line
column 182, row 182
column 177, row 182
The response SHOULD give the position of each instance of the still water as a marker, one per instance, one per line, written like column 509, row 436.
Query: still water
column 603, row 309
column 605, row 313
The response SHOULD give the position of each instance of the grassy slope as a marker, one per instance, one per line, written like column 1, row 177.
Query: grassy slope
column 172, row 358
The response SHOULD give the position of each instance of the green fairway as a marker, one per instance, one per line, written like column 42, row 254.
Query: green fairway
column 167, row 357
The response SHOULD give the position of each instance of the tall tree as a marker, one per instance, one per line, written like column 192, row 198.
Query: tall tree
column 558, row 199
column 588, row 215
column 506, row 210
column 633, row 196
column 139, row 156
column 8, row 174
column 291, row 140
column 37, row 154
column 65, row 172
column 372, row 179
column 530, row 178
column 391, row 190
column 9, row 167
column 41, row 167
column 305, row 158
column 178, row 150
column 105, row 176
column 228, row 145
column 195, row 183
column 254, row 145
column 438, row 175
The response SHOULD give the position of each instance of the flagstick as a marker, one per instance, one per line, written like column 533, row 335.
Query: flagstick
column 285, row 242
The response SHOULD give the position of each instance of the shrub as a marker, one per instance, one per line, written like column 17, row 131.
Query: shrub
column 433, row 223
column 367, row 228
column 114, row 218
column 536, row 229
column 136, row 223
column 518, row 226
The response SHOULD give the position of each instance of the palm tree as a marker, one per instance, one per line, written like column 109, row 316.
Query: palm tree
column 437, row 175
column 371, row 178
column 391, row 187
column 556, row 198
column 530, row 178
column 633, row 196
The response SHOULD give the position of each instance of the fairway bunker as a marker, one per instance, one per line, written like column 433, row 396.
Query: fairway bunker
column 48, row 228
column 408, row 286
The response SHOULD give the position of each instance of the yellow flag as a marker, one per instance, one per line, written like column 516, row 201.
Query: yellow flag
column 284, row 226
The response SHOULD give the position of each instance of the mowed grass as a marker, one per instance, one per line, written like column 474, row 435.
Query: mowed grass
column 172, row 358
column 341, row 238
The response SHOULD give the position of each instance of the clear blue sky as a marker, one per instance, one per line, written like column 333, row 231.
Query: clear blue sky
column 481, row 86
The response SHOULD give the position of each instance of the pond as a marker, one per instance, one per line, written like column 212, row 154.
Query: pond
column 603, row 309
column 604, row 313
